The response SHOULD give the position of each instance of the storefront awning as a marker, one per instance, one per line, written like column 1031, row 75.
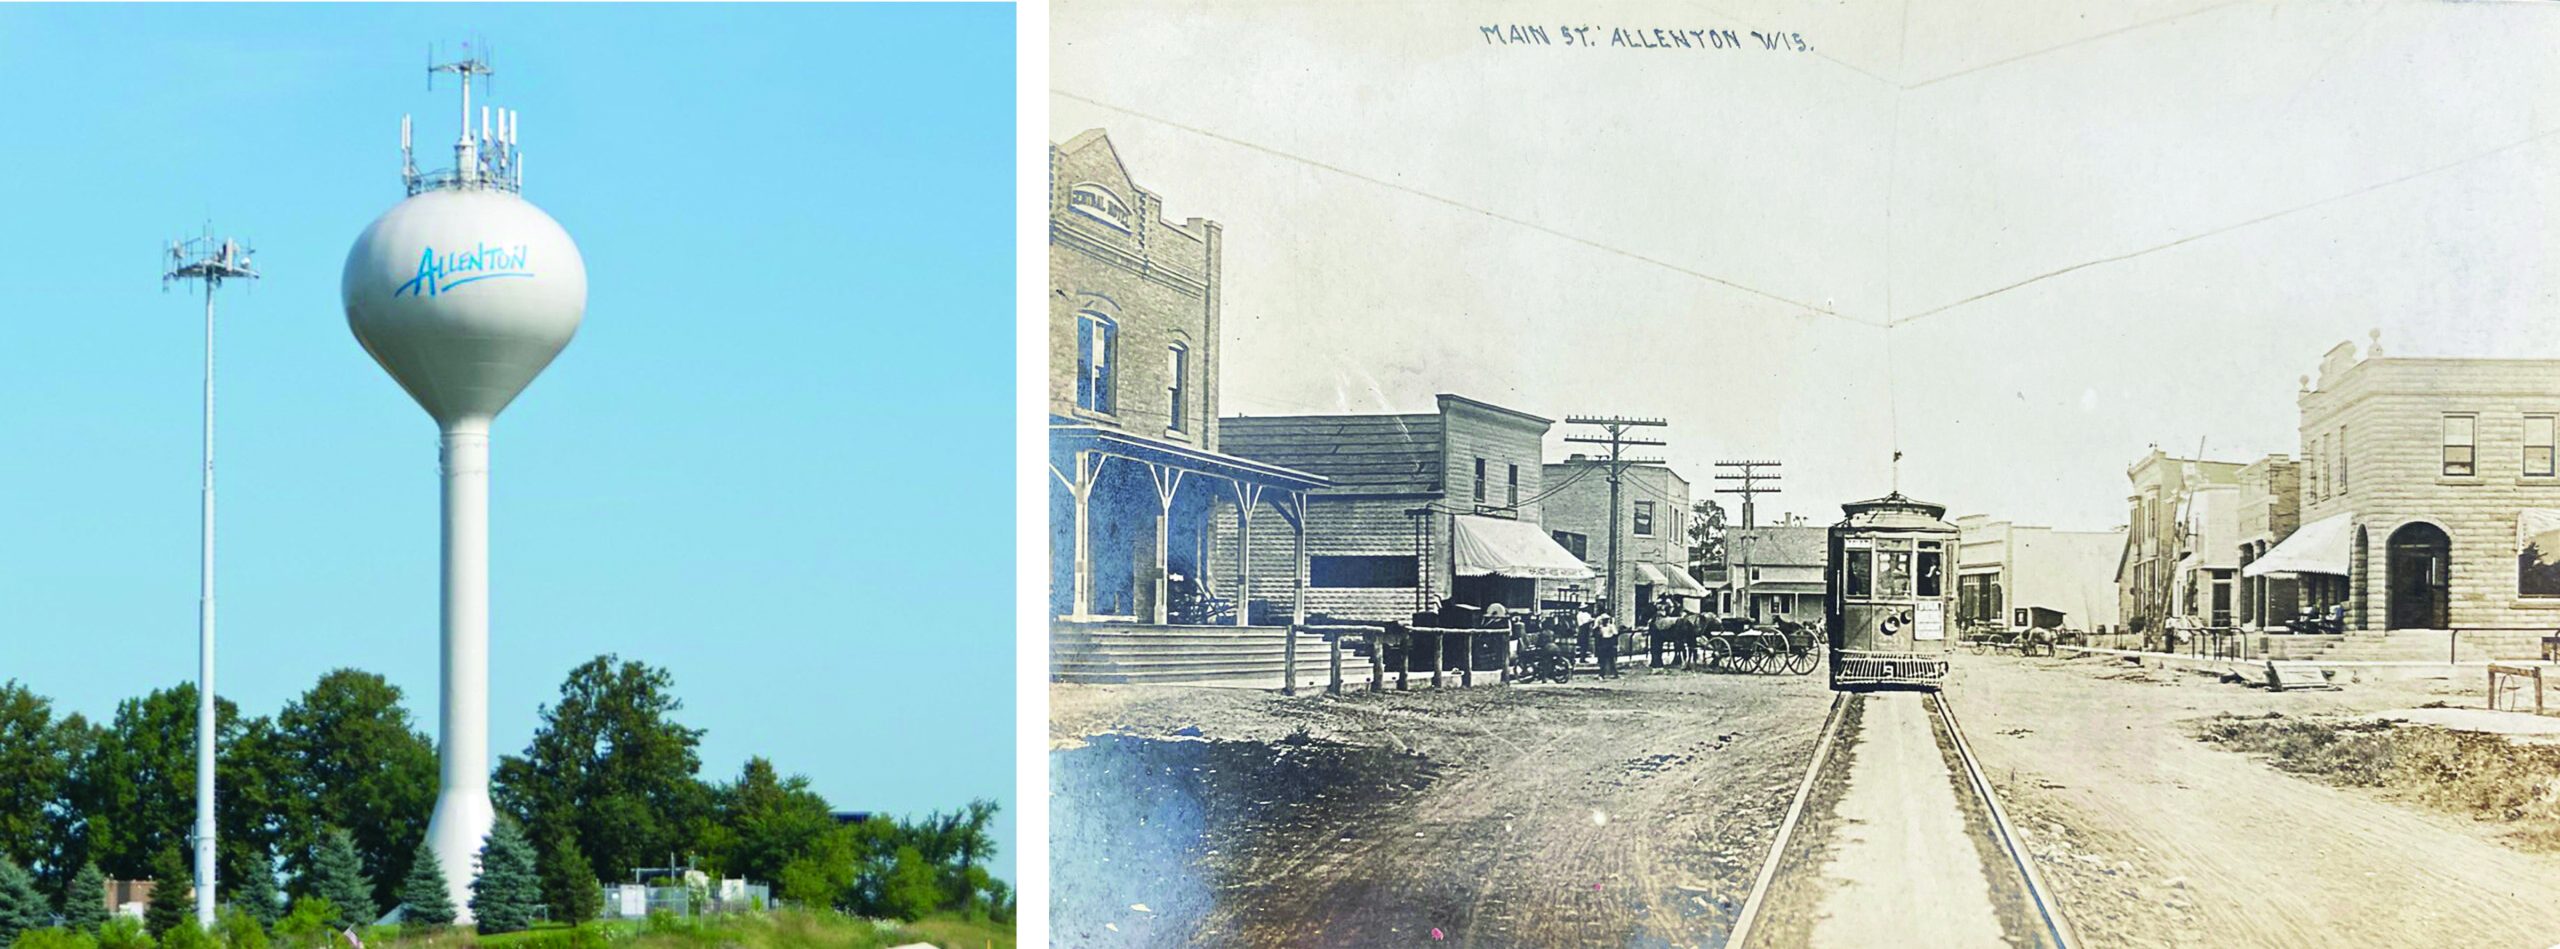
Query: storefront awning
column 1680, row 583
column 2317, row 547
column 1651, row 575
column 1492, row 546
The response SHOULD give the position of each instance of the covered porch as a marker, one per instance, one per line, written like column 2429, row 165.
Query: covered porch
column 1130, row 523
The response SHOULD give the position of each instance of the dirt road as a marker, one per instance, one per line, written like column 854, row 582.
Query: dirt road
column 1627, row 813
column 2153, row 838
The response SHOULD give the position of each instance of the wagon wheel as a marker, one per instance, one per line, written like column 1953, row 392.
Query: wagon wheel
column 1718, row 651
column 1758, row 662
column 1800, row 661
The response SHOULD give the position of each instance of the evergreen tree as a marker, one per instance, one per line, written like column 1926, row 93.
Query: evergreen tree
column 84, row 902
column 503, row 899
column 22, row 906
column 424, row 900
column 170, row 900
column 256, row 896
column 569, row 882
column 337, row 875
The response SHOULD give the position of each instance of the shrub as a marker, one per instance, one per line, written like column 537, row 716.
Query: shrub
column 54, row 937
column 124, row 932
column 308, row 924
column 235, row 928
column 187, row 935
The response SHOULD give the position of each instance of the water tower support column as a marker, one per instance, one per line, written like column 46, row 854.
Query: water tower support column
column 463, row 815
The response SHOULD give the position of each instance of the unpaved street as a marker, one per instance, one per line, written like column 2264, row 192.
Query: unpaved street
column 1631, row 812
column 2154, row 838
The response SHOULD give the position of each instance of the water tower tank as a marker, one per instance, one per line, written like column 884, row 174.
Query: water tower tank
column 464, row 292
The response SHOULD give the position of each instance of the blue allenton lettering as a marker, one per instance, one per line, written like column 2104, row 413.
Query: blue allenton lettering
column 439, row 273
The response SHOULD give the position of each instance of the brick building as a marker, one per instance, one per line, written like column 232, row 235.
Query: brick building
column 2436, row 477
column 2270, row 511
column 1416, row 507
column 1134, row 310
column 1653, row 530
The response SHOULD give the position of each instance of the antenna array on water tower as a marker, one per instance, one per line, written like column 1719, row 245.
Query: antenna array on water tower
column 487, row 158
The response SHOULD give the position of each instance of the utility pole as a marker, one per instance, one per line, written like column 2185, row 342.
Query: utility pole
column 211, row 260
column 1751, row 479
column 1618, row 441
column 1753, row 482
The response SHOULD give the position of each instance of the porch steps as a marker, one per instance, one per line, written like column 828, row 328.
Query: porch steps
column 1192, row 655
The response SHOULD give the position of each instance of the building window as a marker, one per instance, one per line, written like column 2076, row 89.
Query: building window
column 1644, row 518
column 1177, row 363
column 1579, row 545
column 1514, row 482
column 2311, row 468
column 1395, row 571
column 2341, row 480
column 2537, row 446
column 1097, row 342
column 1479, row 481
column 2460, row 434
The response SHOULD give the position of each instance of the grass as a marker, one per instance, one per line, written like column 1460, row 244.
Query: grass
column 2484, row 777
column 780, row 929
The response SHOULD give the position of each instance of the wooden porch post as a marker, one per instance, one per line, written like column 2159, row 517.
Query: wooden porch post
column 1295, row 512
column 1168, row 482
column 1247, row 496
column 1080, row 487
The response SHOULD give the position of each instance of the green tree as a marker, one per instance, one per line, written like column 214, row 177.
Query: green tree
column 255, row 894
column 130, row 792
column 424, row 901
column 22, row 906
column 765, row 822
column 124, row 932
column 84, row 900
column 336, row 874
column 363, row 765
column 911, row 890
column 569, row 883
column 34, row 763
column 504, row 897
column 611, row 768
column 171, row 903
column 236, row 929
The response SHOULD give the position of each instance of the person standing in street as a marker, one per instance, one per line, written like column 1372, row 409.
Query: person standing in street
column 1604, row 635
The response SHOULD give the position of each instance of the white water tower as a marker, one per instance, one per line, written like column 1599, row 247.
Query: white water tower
column 464, row 292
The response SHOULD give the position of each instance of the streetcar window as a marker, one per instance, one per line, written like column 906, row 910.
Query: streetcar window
column 1893, row 571
column 1932, row 571
column 1855, row 562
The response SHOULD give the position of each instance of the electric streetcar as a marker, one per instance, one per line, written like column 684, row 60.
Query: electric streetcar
column 1887, row 596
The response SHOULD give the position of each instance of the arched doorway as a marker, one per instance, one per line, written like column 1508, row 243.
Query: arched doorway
column 2419, row 575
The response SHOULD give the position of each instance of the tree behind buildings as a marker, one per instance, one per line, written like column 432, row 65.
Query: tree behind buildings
column 610, row 768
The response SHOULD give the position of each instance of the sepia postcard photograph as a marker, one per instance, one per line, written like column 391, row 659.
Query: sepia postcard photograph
column 1802, row 474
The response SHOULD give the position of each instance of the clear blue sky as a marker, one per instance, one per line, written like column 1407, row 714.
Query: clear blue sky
column 775, row 461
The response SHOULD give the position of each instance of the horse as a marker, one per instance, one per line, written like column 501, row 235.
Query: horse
column 1681, row 632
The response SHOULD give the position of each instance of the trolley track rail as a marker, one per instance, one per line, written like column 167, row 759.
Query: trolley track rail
column 2054, row 929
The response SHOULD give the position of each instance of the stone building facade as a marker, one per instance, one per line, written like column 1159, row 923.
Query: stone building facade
column 2445, row 468
column 2181, row 547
